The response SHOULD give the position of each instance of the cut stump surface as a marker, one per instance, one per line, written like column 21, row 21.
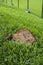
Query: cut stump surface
column 23, row 35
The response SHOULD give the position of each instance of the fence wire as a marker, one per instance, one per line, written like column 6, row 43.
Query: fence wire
column 34, row 5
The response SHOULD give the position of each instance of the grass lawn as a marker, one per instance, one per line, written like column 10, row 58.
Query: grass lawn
column 12, row 19
column 34, row 5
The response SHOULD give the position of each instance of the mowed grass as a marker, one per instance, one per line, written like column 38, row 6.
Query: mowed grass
column 16, row 53
column 17, row 18
column 34, row 5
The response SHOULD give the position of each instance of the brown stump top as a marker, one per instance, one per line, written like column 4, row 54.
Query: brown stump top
column 23, row 35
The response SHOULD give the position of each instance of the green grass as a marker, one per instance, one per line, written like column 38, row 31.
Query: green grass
column 12, row 19
column 34, row 5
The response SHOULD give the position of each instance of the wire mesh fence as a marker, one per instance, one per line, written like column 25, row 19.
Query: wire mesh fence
column 34, row 5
